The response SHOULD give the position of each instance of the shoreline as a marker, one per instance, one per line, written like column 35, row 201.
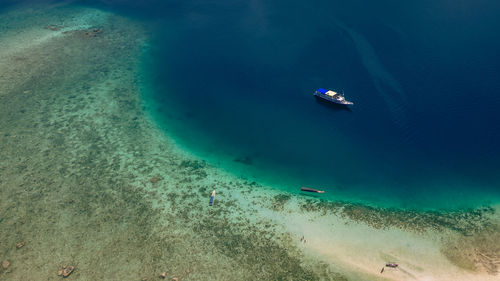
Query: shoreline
column 252, row 172
column 91, row 180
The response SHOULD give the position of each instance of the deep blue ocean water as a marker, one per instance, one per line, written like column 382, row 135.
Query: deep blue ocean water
column 233, row 83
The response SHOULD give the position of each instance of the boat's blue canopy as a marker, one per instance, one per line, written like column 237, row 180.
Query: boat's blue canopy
column 321, row 90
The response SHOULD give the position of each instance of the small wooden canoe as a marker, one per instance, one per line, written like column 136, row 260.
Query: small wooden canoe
column 212, row 198
column 307, row 189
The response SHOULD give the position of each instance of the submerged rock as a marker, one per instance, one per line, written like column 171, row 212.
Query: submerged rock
column 5, row 264
column 53, row 27
column 244, row 160
column 93, row 32
column 19, row 245
column 66, row 271
column 163, row 275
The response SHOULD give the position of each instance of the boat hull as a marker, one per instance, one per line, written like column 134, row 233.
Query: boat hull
column 332, row 100
column 307, row 189
column 212, row 199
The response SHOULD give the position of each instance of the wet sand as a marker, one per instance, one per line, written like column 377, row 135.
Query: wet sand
column 88, row 179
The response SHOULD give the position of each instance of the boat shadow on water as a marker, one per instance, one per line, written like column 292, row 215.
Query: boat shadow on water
column 311, row 195
column 333, row 106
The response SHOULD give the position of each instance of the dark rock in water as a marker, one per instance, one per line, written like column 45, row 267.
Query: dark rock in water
column 67, row 271
column 93, row 32
column 53, row 27
column 19, row 245
column 244, row 160
column 154, row 179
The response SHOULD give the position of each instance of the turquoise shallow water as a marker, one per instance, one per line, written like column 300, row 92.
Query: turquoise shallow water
column 233, row 83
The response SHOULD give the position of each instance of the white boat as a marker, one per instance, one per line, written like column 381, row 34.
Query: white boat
column 331, row 96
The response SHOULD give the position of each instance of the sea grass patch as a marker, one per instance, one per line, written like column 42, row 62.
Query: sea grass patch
column 279, row 201
column 465, row 222
column 77, row 170
column 474, row 252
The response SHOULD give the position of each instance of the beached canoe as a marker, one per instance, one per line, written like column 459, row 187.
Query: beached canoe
column 212, row 198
